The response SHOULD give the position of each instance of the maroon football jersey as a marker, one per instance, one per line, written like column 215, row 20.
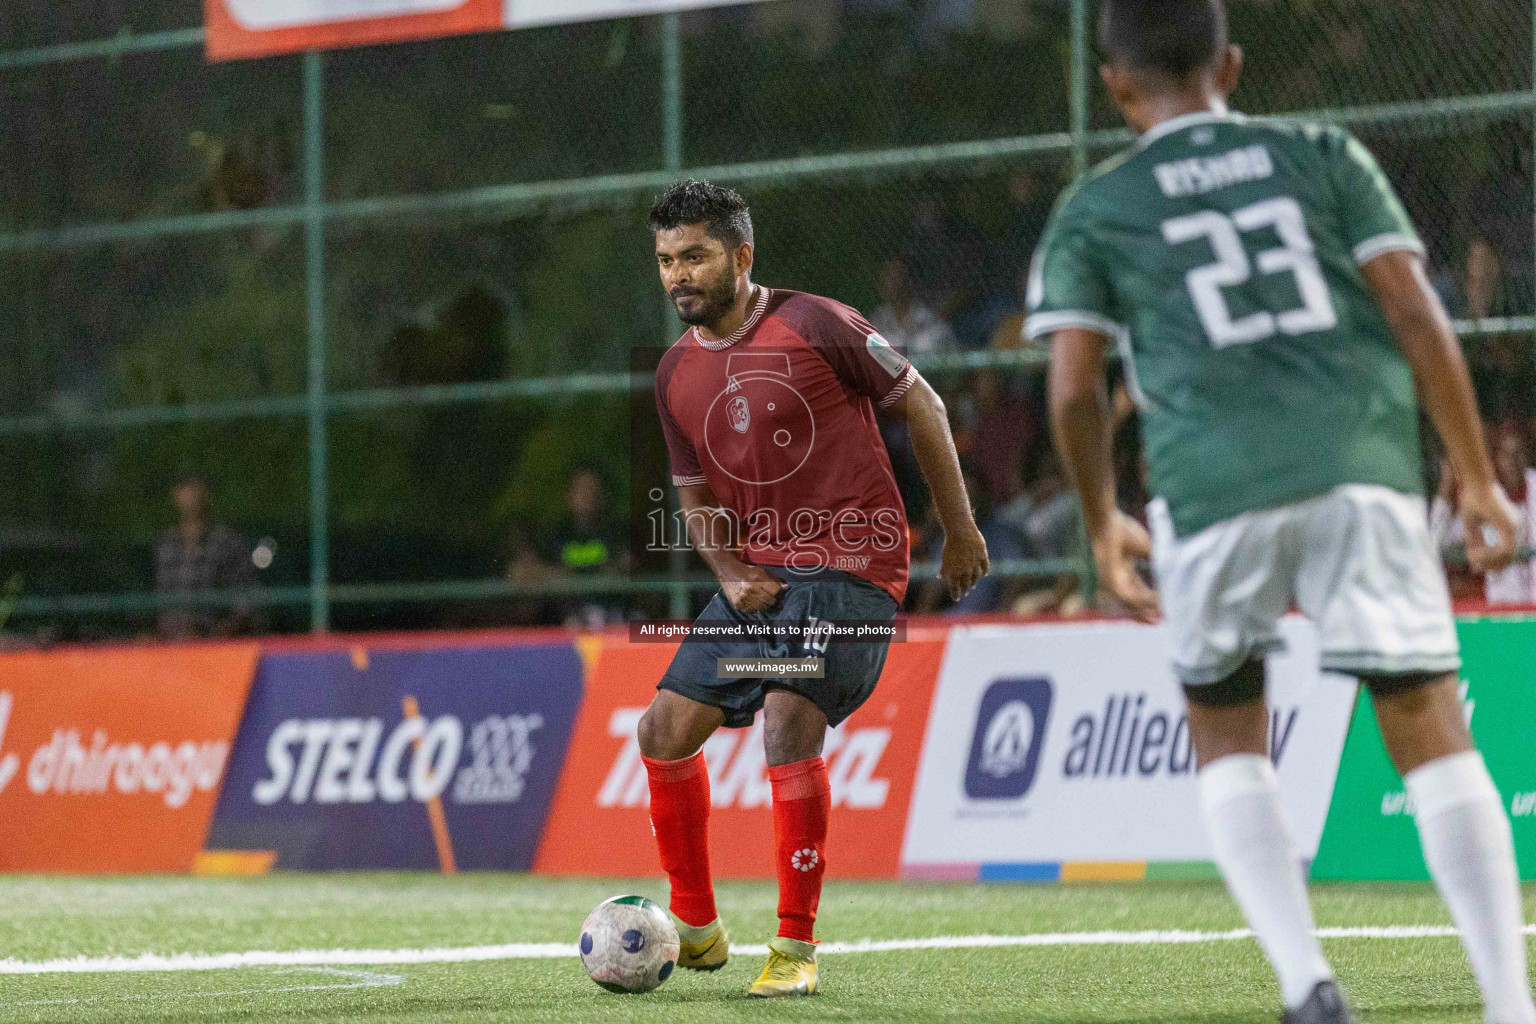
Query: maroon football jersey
column 779, row 420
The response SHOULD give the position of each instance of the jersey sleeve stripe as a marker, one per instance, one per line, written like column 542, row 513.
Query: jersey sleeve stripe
column 1391, row 242
column 1041, row 324
column 908, row 376
column 687, row 481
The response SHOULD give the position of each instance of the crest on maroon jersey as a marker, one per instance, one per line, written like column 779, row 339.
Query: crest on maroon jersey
column 759, row 430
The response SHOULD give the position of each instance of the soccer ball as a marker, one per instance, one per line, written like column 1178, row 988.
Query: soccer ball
column 629, row 944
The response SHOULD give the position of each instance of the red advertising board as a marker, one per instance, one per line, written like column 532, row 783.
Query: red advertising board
column 259, row 28
column 600, row 825
column 110, row 759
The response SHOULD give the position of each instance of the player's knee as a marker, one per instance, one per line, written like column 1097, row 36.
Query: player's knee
column 1229, row 716
column 793, row 730
column 664, row 735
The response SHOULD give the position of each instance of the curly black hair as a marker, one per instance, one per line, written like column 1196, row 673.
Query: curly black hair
column 723, row 212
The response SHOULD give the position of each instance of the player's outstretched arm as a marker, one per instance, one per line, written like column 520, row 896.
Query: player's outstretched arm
column 1428, row 343
column 712, row 530
column 1080, row 421
column 965, row 552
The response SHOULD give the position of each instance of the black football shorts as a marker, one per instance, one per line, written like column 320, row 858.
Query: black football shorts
column 852, row 666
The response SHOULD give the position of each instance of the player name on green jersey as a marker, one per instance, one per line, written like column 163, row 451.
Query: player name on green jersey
column 1222, row 255
column 1198, row 175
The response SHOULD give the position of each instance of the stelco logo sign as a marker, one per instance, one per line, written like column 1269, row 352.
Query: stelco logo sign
column 354, row 760
column 71, row 765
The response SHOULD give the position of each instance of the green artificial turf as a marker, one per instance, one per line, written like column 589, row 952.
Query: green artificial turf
column 1390, row 980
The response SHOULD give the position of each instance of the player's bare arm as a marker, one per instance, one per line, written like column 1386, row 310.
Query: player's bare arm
column 965, row 552
column 748, row 587
column 1427, row 341
column 1080, row 413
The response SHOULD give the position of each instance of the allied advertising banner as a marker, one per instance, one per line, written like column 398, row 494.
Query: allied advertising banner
column 600, row 822
column 440, row 758
column 110, row 760
column 1371, row 832
column 258, row 28
column 1051, row 746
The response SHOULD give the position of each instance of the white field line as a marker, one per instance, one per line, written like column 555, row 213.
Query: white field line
column 555, row 950
column 361, row 979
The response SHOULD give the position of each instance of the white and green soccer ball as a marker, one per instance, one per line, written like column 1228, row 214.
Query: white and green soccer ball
column 629, row 944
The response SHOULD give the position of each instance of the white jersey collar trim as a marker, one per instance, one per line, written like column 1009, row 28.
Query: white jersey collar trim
column 758, row 310
column 1174, row 124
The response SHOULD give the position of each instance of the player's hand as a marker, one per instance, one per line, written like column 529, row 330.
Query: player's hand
column 751, row 588
column 1490, row 522
column 964, row 560
column 1115, row 555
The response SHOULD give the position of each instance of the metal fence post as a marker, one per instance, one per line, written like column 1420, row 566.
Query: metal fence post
column 314, row 259
column 1079, row 78
column 672, row 89
column 672, row 154
column 1088, row 581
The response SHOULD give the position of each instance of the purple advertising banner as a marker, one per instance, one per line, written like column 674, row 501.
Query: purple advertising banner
column 440, row 759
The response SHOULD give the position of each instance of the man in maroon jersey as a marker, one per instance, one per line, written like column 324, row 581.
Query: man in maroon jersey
column 768, row 407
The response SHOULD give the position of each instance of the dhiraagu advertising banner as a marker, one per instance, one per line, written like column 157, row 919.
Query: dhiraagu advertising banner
column 1370, row 832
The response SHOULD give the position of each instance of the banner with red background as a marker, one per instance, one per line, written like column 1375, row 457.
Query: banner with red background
column 110, row 760
column 599, row 823
column 260, row 28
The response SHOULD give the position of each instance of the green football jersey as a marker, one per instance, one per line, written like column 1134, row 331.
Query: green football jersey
column 1222, row 256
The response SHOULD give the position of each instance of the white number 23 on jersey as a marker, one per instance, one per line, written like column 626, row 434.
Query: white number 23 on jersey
column 1295, row 255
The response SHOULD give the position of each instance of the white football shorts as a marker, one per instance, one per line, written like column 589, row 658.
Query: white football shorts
column 1358, row 561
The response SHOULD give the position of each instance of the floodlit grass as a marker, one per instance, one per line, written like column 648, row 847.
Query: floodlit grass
column 1391, row 980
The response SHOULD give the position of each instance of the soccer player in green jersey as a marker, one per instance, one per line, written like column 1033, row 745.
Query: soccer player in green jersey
column 1267, row 293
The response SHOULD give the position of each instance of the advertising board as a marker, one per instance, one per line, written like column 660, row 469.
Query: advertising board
column 110, row 758
column 1051, row 747
column 600, row 822
column 438, row 758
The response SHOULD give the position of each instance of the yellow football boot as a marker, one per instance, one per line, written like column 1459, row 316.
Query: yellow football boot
column 790, row 970
column 704, row 948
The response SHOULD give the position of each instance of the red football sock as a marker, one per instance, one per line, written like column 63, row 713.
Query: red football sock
column 801, row 799
column 680, row 820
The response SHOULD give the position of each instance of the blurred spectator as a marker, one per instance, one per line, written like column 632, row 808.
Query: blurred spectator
column 1504, row 374
column 1511, row 461
column 587, row 541
column 1449, row 533
column 992, row 592
column 525, row 568
column 1029, row 209
column 199, row 555
column 904, row 321
column 1000, row 429
column 1500, row 279
column 1047, row 518
column 943, row 255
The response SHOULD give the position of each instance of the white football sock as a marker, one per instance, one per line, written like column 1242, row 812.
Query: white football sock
column 1251, row 837
column 1470, row 853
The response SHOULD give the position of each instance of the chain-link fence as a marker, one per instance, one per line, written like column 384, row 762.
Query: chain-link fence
column 401, row 285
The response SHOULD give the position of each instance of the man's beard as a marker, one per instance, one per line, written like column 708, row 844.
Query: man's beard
column 713, row 303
